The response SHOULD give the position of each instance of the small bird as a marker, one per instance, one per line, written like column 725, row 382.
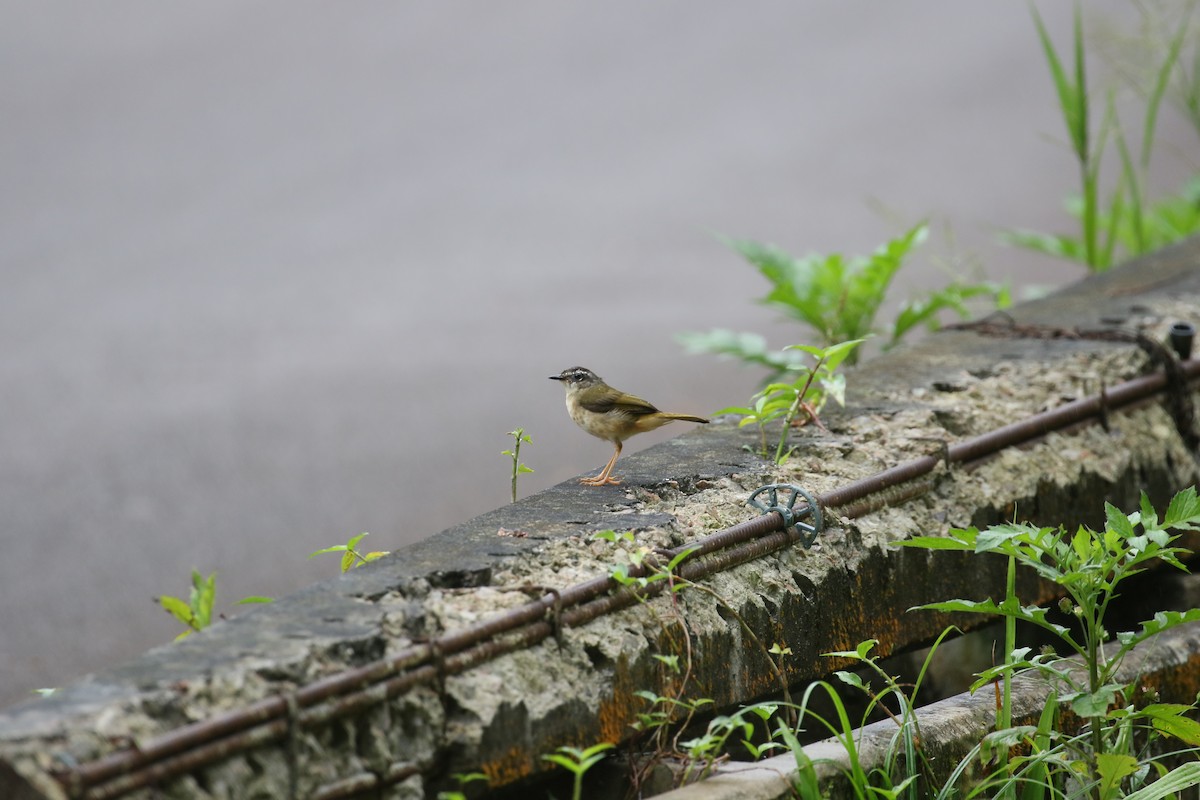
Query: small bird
column 609, row 414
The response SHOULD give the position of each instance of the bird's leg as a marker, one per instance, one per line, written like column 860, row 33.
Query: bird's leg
column 606, row 473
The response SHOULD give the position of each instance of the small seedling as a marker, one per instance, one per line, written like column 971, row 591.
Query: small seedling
column 463, row 780
column 351, row 557
column 807, row 394
column 517, row 467
column 613, row 537
column 578, row 762
column 670, row 662
column 196, row 612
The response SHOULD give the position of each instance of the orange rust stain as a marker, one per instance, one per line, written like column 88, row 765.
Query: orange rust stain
column 617, row 712
column 884, row 618
column 1176, row 684
column 511, row 765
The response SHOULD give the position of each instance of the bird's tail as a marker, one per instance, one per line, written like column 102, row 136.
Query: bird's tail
column 687, row 418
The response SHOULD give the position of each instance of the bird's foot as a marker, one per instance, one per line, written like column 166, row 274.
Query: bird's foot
column 600, row 480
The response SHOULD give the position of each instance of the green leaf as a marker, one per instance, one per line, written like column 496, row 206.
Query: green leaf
column 522, row 469
column 1177, row 780
column 924, row 310
column 865, row 647
column 970, row 606
column 849, row 678
column 1117, row 520
column 998, row 537
column 254, row 598
column 176, row 608
column 807, row 784
column 679, row 557
column 1183, row 510
column 1094, row 704
column 936, row 543
column 1002, row 741
column 764, row 711
column 741, row 411
column 1170, row 720
column 1114, row 768
column 835, row 388
column 835, row 354
column 203, row 595
column 1049, row 244
column 620, row 574
column 1162, row 79
column 1162, row 621
column 749, row 348
column 1072, row 99
column 672, row 662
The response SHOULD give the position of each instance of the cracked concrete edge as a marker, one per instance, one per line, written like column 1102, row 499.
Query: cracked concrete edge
column 950, row 728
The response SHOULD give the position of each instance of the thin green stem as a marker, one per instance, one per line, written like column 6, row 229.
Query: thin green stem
column 794, row 409
column 516, row 459
column 1010, row 644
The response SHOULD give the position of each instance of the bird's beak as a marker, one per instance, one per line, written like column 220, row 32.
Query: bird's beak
column 556, row 377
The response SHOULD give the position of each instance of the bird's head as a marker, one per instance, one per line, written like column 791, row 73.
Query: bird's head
column 577, row 378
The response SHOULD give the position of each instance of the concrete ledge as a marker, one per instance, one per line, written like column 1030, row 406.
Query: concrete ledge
column 578, row 689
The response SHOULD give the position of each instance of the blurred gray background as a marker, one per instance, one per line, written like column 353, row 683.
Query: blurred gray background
column 276, row 275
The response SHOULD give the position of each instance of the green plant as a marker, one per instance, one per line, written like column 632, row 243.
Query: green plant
column 903, row 763
column 1089, row 566
column 669, row 714
column 517, row 467
column 709, row 748
column 196, row 612
column 351, row 556
column 623, row 571
column 838, row 297
column 1128, row 219
column 464, row 779
column 578, row 762
column 806, row 394
column 612, row 537
column 1136, row 57
column 636, row 571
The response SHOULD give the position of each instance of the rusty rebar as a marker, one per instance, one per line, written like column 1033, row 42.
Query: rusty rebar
column 265, row 721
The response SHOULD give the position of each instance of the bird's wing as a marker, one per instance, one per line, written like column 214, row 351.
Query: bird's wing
column 620, row 403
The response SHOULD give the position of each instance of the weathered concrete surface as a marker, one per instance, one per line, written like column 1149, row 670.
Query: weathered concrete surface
column 501, row 716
